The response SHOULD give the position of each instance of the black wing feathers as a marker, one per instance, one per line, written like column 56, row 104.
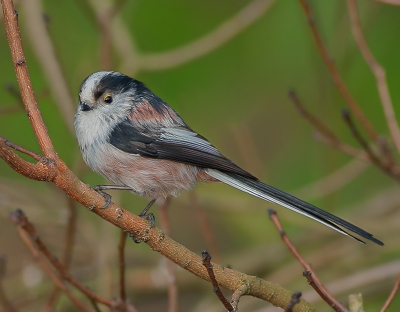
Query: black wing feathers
column 133, row 138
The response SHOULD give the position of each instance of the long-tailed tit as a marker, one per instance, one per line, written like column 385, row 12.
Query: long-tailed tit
column 135, row 140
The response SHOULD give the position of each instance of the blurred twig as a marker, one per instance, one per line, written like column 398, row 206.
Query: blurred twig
column 374, row 158
column 121, row 257
column 43, row 47
column 393, row 293
column 295, row 300
column 337, row 79
column 377, row 70
column 22, row 222
column 26, row 238
column 204, row 222
column 4, row 301
column 356, row 303
column 171, row 279
column 324, row 134
column 333, row 181
column 392, row 2
column 210, row 42
column 207, row 264
column 68, row 249
column 318, row 285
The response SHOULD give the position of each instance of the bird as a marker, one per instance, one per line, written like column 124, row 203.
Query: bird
column 135, row 140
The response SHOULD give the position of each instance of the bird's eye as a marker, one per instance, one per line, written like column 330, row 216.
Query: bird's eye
column 108, row 99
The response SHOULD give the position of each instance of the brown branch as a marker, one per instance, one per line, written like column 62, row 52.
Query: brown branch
column 334, row 72
column 4, row 301
column 391, row 2
column 324, row 134
column 322, row 293
column 207, row 264
column 377, row 70
column 393, row 293
column 24, row 82
column 210, row 42
column 374, row 158
column 171, row 280
column 295, row 300
column 121, row 257
column 47, row 269
column 67, row 253
column 326, row 295
column 205, row 226
column 42, row 45
column 21, row 220
column 237, row 294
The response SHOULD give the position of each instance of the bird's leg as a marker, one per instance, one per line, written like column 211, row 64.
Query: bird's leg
column 99, row 189
column 144, row 215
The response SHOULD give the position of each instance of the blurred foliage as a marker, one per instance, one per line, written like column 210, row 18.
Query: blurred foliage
column 236, row 96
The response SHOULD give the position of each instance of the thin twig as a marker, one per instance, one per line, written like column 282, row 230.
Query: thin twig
column 295, row 300
column 21, row 149
column 207, row 264
column 205, row 226
column 43, row 47
column 327, row 296
column 21, row 220
column 393, row 293
column 391, row 2
column 314, row 121
column 374, row 158
column 121, row 257
column 324, row 134
column 210, row 42
column 237, row 294
column 334, row 72
column 68, row 248
column 377, row 70
column 4, row 301
column 172, row 287
column 26, row 238
column 314, row 284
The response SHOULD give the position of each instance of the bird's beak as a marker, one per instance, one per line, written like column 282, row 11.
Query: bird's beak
column 84, row 106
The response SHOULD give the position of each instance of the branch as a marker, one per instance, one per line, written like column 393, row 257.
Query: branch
column 312, row 280
column 21, row 220
column 207, row 264
column 319, row 287
column 121, row 257
column 210, row 42
column 42, row 45
column 324, row 134
column 391, row 2
column 374, row 158
column 377, row 70
column 393, row 293
column 295, row 300
column 334, row 72
column 171, row 275
column 55, row 278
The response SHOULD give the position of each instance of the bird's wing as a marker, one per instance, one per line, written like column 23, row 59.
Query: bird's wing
column 177, row 143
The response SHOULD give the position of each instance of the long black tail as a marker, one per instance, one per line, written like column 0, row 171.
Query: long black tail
column 272, row 194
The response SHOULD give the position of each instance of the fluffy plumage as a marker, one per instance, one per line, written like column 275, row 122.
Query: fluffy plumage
column 133, row 138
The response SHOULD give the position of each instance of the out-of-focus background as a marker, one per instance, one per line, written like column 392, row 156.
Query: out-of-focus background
column 226, row 66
